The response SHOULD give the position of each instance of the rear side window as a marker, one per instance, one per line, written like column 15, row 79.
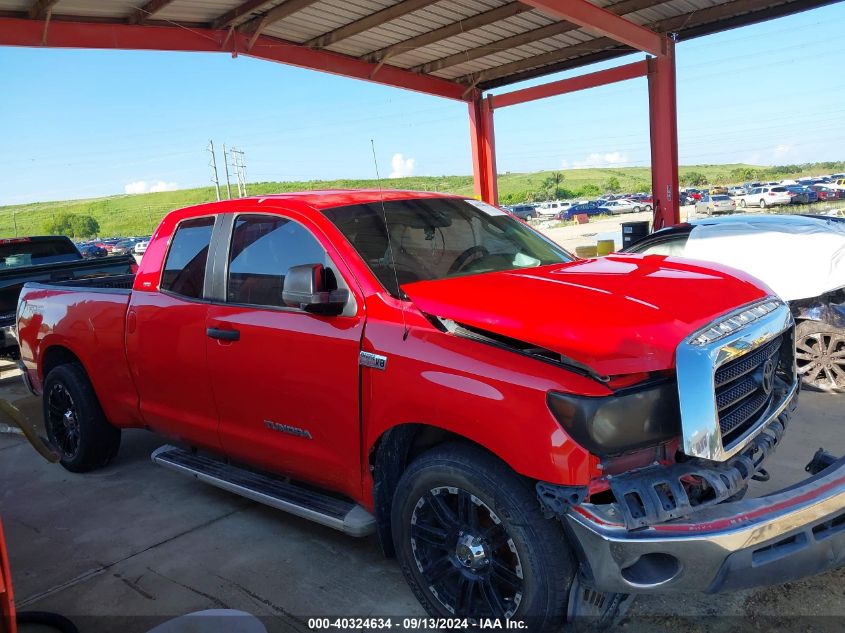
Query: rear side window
column 263, row 249
column 779, row 189
column 23, row 251
column 184, row 269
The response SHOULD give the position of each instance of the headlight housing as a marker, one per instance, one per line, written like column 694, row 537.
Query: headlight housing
column 627, row 420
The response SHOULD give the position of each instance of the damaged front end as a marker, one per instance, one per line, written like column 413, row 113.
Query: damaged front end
column 681, row 522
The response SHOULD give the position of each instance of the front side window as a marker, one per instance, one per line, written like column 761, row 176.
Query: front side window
column 184, row 269
column 263, row 249
column 436, row 238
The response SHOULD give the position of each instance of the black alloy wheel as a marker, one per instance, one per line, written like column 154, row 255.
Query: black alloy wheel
column 75, row 423
column 465, row 554
column 63, row 421
column 473, row 542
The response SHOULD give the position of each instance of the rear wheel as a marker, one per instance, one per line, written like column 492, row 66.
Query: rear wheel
column 75, row 423
column 742, row 203
column 473, row 542
column 762, row 204
column 820, row 356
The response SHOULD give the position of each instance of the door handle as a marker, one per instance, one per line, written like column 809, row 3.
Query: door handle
column 223, row 335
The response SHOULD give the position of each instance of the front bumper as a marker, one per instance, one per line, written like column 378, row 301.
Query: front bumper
column 796, row 532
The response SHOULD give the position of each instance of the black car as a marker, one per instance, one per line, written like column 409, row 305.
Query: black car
column 90, row 251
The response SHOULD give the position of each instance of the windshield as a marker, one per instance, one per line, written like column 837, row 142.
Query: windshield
column 435, row 238
column 19, row 252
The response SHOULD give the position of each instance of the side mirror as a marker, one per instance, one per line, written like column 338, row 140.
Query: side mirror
column 305, row 288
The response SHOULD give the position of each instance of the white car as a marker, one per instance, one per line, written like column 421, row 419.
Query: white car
column 765, row 196
column 623, row 206
column 801, row 258
column 551, row 209
column 141, row 247
column 710, row 205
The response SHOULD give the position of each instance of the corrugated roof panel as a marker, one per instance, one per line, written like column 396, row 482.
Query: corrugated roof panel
column 15, row 5
column 194, row 10
column 324, row 16
column 97, row 8
column 425, row 19
column 472, row 39
column 579, row 41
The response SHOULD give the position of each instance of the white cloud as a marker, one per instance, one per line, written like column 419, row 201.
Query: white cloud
column 597, row 159
column 142, row 186
column 401, row 166
column 780, row 151
column 139, row 186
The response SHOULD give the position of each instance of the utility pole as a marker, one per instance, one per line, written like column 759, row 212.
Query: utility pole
column 226, row 165
column 240, row 170
column 213, row 165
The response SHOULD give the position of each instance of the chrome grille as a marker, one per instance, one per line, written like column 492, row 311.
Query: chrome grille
column 741, row 396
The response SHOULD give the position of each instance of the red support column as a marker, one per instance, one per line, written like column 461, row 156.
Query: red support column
column 663, row 117
column 483, row 149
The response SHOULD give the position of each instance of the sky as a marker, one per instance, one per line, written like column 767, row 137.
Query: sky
column 81, row 124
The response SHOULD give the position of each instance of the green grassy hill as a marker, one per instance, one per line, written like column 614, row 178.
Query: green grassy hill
column 139, row 214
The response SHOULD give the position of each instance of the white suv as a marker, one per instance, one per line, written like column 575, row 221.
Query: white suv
column 551, row 209
column 767, row 196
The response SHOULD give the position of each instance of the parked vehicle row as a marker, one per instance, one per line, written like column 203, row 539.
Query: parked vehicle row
column 113, row 246
column 568, row 209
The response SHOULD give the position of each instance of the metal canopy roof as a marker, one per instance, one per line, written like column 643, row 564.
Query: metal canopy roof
column 455, row 47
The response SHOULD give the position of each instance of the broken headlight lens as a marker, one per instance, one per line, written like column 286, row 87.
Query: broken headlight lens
column 627, row 420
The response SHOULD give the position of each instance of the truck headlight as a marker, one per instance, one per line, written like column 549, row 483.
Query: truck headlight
column 627, row 420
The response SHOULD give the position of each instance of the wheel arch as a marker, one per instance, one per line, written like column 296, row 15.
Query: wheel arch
column 56, row 355
column 389, row 457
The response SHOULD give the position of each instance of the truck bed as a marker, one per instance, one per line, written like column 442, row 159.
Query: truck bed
column 88, row 318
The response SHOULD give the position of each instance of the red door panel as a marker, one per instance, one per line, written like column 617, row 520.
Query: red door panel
column 287, row 392
column 166, row 349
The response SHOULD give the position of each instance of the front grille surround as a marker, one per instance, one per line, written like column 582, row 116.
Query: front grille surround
column 726, row 396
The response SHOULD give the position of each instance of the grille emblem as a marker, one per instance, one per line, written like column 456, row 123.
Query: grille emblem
column 768, row 376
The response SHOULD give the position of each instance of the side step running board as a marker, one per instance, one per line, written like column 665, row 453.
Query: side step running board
column 322, row 508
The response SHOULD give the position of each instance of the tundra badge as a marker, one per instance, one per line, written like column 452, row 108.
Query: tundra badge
column 286, row 428
column 366, row 359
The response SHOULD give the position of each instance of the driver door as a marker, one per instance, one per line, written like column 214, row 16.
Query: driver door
column 285, row 380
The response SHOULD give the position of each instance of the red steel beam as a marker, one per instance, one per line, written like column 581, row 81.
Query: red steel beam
column 593, row 18
column 107, row 35
column 573, row 84
column 483, row 144
column 663, row 119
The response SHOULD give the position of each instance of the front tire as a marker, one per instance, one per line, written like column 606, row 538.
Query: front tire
column 473, row 543
column 742, row 203
column 76, row 425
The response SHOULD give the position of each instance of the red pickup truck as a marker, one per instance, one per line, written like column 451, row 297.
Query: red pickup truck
column 534, row 436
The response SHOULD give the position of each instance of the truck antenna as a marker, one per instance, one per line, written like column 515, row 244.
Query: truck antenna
column 405, row 330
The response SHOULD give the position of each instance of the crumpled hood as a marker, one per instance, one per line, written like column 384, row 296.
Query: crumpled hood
column 618, row 315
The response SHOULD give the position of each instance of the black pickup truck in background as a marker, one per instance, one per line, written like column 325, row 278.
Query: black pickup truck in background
column 48, row 259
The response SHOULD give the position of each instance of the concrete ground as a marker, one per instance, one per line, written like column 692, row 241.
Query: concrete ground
column 127, row 547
